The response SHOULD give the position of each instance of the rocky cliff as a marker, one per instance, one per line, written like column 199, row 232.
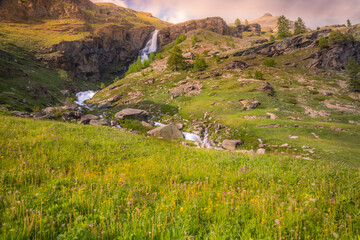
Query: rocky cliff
column 89, row 58
column 214, row 24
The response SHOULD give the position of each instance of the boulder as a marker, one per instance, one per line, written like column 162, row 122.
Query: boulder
column 146, row 124
column 231, row 144
column 272, row 116
column 167, row 132
column 267, row 88
column 130, row 113
column 179, row 126
column 101, row 122
column 87, row 118
column 71, row 115
column 236, row 65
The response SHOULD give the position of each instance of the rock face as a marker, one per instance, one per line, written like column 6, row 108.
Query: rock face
column 231, row 144
column 166, row 132
column 336, row 56
column 130, row 113
column 286, row 46
column 88, row 59
column 253, row 28
column 214, row 24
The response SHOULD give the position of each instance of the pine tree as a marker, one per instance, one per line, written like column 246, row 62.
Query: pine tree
column 246, row 22
column 176, row 60
column 237, row 22
column 300, row 27
column 353, row 70
column 283, row 25
column 348, row 23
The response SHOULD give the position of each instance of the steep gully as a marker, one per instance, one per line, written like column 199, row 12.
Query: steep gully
column 150, row 47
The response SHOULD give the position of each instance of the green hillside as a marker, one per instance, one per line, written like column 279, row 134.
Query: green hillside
column 296, row 91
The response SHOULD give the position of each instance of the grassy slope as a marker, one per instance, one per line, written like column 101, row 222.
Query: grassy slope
column 64, row 181
column 294, row 87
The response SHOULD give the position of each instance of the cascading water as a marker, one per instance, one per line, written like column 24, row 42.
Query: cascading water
column 151, row 46
column 83, row 96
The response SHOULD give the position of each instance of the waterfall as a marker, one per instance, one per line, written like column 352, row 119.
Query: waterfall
column 151, row 46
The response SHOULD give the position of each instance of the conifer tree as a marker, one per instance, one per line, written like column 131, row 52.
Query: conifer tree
column 299, row 27
column 283, row 25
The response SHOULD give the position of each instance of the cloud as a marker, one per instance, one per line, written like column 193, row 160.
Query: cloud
column 314, row 12
column 121, row 3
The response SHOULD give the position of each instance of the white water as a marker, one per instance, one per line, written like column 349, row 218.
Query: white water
column 151, row 46
column 157, row 124
column 83, row 96
column 192, row 137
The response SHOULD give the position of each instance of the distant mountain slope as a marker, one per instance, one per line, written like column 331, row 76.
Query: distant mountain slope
column 268, row 22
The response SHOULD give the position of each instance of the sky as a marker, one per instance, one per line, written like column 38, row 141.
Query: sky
column 314, row 12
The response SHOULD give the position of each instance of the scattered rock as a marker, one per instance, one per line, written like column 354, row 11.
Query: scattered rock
column 101, row 122
column 316, row 136
column 248, row 105
column 236, row 65
column 285, row 145
column 337, row 129
column 130, row 113
column 4, row 109
column 20, row 114
column 167, row 132
column 272, row 116
column 246, row 151
column 87, row 118
column 267, row 88
column 293, row 137
column 254, row 117
column 261, row 151
column 190, row 88
column 270, row 126
column 231, row 144
column 146, row 124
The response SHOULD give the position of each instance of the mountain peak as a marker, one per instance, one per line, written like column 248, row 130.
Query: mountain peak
column 267, row 15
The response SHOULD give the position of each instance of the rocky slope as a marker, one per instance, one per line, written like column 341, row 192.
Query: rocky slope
column 334, row 57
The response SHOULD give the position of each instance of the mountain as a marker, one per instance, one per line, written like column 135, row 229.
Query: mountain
column 268, row 22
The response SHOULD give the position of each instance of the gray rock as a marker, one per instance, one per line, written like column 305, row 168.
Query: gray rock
column 167, row 132
column 87, row 118
column 261, row 151
column 20, row 114
column 101, row 122
column 231, row 144
column 272, row 116
column 179, row 126
column 293, row 137
column 130, row 113
column 146, row 124
column 4, row 109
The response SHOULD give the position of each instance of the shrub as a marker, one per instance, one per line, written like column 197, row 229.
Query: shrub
column 339, row 37
column 180, row 39
column 259, row 75
column 323, row 42
column 199, row 64
column 176, row 60
column 270, row 62
column 272, row 38
column 353, row 70
column 102, row 86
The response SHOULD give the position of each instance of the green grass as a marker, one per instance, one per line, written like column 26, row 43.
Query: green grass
column 65, row 181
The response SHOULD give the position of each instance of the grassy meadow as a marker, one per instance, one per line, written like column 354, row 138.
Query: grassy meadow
column 68, row 181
